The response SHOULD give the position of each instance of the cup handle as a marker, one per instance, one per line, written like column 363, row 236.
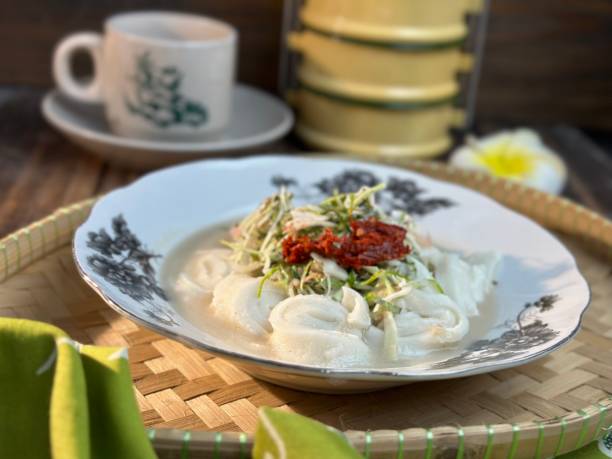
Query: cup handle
column 90, row 42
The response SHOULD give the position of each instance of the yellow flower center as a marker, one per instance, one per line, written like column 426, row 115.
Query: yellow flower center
column 507, row 161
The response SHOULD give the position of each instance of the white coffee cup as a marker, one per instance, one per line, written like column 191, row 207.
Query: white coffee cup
column 160, row 75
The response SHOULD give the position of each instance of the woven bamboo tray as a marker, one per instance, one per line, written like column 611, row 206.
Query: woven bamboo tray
column 545, row 408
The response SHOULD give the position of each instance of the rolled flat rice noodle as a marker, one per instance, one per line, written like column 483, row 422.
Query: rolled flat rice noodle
column 466, row 280
column 235, row 300
column 205, row 270
column 427, row 321
column 314, row 329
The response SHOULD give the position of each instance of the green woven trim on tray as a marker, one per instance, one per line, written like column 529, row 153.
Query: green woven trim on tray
column 602, row 418
column 585, row 427
column 5, row 271
column 218, row 441
column 460, row 443
column 400, row 445
column 516, row 435
column 75, row 214
column 490, row 437
column 28, row 234
column 185, row 447
column 429, row 447
column 368, row 444
column 243, row 445
column 538, row 451
column 561, row 437
column 15, row 239
column 43, row 238
column 69, row 212
column 56, row 232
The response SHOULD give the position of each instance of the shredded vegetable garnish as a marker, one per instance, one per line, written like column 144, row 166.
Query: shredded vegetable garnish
column 346, row 240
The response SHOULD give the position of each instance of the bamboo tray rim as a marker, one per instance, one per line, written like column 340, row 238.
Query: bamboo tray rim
column 32, row 243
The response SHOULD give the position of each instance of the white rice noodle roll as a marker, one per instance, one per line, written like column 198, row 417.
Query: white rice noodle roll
column 202, row 273
column 314, row 329
column 466, row 280
column 427, row 321
column 235, row 300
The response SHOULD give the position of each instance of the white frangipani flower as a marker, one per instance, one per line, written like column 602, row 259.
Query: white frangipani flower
column 514, row 155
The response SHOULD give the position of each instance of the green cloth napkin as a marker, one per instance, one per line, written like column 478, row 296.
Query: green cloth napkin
column 61, row 399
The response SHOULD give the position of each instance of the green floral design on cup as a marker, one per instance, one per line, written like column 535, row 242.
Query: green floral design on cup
column 157, row 97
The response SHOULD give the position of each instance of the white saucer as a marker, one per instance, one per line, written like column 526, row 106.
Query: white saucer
column 258, row 118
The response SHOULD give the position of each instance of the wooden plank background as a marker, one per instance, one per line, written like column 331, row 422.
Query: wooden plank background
column 546, row 60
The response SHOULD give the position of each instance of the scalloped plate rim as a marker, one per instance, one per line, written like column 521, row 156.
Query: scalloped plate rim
column 374, row 374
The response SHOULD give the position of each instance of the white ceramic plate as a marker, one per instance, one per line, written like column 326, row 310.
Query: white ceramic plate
column 539, row 299
column 257, row 119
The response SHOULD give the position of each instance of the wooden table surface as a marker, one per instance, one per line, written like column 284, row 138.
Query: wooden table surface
column 41, row 171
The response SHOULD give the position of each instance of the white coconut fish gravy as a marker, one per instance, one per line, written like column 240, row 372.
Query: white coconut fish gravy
column 233, row 337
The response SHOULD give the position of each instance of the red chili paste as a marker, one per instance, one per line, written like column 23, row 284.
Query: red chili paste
column 369, row 242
